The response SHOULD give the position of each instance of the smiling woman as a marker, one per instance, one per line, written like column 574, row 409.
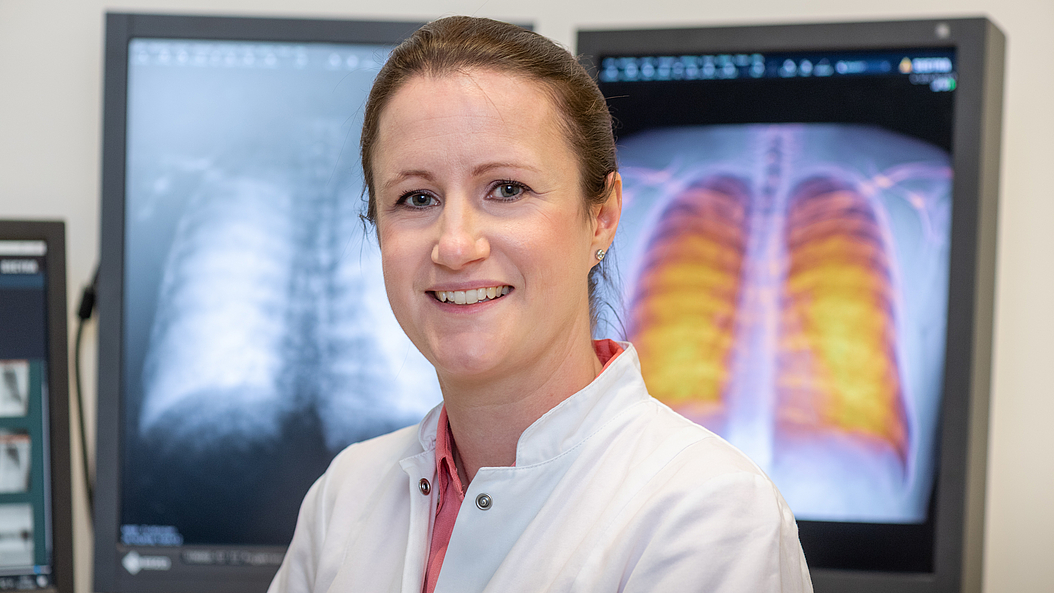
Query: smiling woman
column 490, row 163
column 477, row 189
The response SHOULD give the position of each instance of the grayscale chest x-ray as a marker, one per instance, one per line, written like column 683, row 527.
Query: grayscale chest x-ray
column 259, row 340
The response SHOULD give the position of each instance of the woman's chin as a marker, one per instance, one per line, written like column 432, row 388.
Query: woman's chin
column 474, row 365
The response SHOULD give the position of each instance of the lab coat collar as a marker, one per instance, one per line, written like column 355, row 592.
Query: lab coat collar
column 426, row 432
column 570, row 422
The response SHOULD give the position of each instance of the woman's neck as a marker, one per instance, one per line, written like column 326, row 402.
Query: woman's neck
column 488, row 417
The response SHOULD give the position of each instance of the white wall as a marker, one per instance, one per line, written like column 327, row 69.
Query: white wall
column 50, row 92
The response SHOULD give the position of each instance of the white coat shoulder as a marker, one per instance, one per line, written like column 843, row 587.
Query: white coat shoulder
column 708, row 518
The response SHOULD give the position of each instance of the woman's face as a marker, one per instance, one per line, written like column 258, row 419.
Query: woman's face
column 486, row 241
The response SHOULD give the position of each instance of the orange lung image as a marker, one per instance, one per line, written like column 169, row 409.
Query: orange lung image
column 786, row 287
column 837, row 357
column 682, row 314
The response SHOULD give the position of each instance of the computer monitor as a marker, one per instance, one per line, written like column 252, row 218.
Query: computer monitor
column 36, row 534
column 244, row 333
column 806, row 257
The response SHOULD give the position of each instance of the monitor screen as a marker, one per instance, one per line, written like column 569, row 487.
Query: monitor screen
column 256, row 321
column 256, row 340
column 785, row 258
column 35, row 546
column 784, row 252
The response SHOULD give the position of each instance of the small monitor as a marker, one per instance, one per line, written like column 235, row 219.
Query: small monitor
column 806, row 263
column 36, row 537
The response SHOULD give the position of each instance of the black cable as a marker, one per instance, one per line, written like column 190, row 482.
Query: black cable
column 84, row 313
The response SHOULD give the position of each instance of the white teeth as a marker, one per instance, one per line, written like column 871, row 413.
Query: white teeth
column 468, row 297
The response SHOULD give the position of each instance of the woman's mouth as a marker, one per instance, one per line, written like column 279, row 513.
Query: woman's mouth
column 469, row 297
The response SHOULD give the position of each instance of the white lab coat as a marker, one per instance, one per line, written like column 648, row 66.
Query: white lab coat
column 611, row 491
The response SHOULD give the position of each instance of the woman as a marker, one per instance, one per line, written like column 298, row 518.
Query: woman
column 490, row 165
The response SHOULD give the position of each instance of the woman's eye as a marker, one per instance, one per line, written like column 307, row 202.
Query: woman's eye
column 507, row 191
column 419, row 200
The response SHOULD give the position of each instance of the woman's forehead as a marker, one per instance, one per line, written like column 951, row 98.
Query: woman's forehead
column 505, row 115
column 473, row 94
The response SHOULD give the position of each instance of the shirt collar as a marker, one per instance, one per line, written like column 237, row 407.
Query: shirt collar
column 445, row 466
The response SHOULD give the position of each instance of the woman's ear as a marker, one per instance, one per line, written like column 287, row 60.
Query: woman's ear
column 606, row 215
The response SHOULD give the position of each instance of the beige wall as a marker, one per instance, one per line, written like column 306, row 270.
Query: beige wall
column 50, row 73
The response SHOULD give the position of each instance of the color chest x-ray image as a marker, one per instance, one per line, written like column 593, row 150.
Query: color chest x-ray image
column 259, row 341
column 786, row 286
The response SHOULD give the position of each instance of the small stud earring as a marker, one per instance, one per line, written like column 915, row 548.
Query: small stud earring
column 600, row 254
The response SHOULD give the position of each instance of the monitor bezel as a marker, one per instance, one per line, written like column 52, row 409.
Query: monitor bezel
column 976, row 142
column 121, row 28
column 53, row 233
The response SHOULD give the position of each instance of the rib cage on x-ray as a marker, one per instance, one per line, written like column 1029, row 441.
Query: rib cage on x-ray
column 257, row 337
column 786, row 287
column 272, row 305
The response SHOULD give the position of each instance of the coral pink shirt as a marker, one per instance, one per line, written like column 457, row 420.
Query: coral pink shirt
column 450, row 492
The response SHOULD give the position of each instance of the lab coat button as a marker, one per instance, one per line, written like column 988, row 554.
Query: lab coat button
column 424, row 486
column 483, row 502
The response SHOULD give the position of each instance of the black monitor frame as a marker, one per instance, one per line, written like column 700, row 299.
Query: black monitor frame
column 978, row 105
column 121, row 28
column 53, row 233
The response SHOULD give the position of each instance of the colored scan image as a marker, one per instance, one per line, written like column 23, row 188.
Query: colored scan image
column 786, row 287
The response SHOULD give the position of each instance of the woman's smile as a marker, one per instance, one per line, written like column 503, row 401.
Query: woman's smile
column 471, row 296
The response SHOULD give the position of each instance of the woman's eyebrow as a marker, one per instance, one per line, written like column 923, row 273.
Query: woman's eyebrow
column 478, row 170
column 408, row 174
column 483, row 168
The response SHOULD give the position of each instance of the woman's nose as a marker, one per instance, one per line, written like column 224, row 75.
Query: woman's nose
column 461, row 237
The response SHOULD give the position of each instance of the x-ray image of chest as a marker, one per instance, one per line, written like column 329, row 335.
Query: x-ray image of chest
column 272, row 304
column 786, row 286
column 272, row 331
column 258, row 337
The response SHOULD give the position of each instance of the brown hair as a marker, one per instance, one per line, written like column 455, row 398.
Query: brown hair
column 461, row 43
